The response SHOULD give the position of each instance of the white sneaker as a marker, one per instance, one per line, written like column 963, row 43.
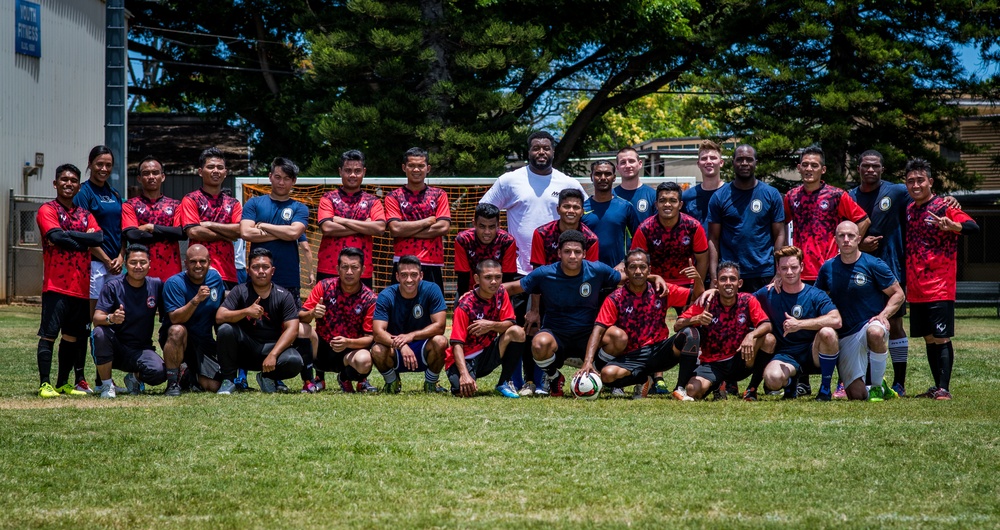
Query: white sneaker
column 527, row 390
column 107, row 391
column 681, row 394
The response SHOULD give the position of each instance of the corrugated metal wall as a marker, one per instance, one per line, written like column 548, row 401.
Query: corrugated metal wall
column 53, row 104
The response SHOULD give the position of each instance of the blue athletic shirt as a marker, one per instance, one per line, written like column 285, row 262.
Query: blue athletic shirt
column 571, row 302
column 746, row 217
column 140, row 305
column 264, row 209
column 178, row 291
column 613, row 222
column 106, row 205
column 810, row 302
column 886, row 208
column 696, row 203
column 408, row 315
column 856, row 289
column 643, row 198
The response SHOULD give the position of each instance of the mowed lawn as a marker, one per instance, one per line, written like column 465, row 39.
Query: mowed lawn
column 418, row 461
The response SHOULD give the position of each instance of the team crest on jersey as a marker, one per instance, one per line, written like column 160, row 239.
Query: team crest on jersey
column 658, row 304
column 357, row 310
column 151, row 302
column 418, row 311
column 742, row 319
column 642, row 206
column 756, row 206
column 214, row 294
column 286, row 214
column 585, row 289
column 363, row 204
column 433, row 203
column 797, row 311
column 824, row 205
column 885, row 204
column 685, row 240
column 860, row 278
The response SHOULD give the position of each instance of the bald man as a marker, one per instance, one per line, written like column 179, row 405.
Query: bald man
column 191, row 299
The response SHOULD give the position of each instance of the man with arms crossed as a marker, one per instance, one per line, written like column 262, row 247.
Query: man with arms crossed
column 211, row 217
column 151, row 219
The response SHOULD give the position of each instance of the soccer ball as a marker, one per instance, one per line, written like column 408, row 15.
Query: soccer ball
column 587, row 386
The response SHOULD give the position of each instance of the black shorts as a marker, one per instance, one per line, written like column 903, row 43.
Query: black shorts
column 329, row 360
column 732, row 369
column 932, row 318
column 479, row 366
column 569, row 345
column 752, row 285
column 320, row 276
column 657, row 357
column 200, row 354
column 62, row 312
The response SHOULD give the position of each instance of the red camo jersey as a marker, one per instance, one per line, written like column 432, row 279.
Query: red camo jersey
column 164, row 256
column 670, row 249
column 814, row 217
column 545, row 244
column 347, row 315
column 931, row 253
column 642, row 316
column 721, row 340
column 199, row 206
column 362, row 206
column 404, row 205
column 65, row 271
column 469, row 251
column 470, row 308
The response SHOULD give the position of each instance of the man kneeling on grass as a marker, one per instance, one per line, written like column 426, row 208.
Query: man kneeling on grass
column 123, row 330
column 258, row 323
column 481, row 329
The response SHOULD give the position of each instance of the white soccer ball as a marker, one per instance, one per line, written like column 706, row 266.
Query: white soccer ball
column 587, row 386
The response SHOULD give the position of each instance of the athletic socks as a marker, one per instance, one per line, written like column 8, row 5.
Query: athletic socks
column 304, row 347
column 947, row 361
column 508, row 364
column 827, row 364
column 173, row 374
column 430, row 377
column 763, row 358
column 67, row 358
column 548, row 366
column 389, row 375
column 44, row 360
column 934, row 360
column 687, row 363
column 321, row 375
column 528, row 361
column 876, row 363
column 899, row 351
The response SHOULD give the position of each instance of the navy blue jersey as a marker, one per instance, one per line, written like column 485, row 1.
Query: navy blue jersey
column 643, row 198
column 856, row 289
column 571, row 302
column 886, row 208
column 406, row 315
column 279, row 307
column 178, row 290
column 745, row 217
column 140, row 305
column 696, row 203
column 264, row 209
column 106, row 206
column 808, row 303
column 613, row 222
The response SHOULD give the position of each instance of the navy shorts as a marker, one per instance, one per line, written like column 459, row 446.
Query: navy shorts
column 569, row 344
column 418, row 349
column 800, row 359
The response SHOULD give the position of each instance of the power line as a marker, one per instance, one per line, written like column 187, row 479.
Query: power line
column 213, row 35
column 215, row 66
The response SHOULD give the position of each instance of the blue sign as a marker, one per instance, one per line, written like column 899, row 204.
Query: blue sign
column 28, row 29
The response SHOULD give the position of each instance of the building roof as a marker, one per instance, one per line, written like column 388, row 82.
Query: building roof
column 177, row 140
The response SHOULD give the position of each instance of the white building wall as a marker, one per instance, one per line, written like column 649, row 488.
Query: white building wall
column 53, row 104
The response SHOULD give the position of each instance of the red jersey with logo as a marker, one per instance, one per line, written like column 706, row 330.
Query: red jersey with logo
column 931, row 253
column 642, row 316
column 405, row 205
column 545, row 244
column 361, row 206
column 164, row 256
column 721, row 340
column 347, row 315
column 65, row 271
column 814, row 217
column 469, row 251
column 199, row 206
column 670, row 249
column 470, row 308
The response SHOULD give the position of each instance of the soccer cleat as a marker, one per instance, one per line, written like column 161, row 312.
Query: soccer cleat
column 929, row 394
column 527, row 390
column 840, row 392
column 320, row 384
column 46, row 391
column 308, row 387
column 280, row 386
column 241, row 380
column 556, row 385
column 434, row 388
column 791, row 390
column 84, row 387
column 803, row 389
column 108, row 391
column 661, row 387
column 346, row 387
column 641, row 391
column 728, row 388
column 542, row 389
column 824, row 395
column 266, row 385
column 69, row 390
column 681, row 394
column 875, row 394
column 227, row 387
column 888, row 392
column 364, row 387
column 173, row 389
column 617, row 392
column 392, row 388
column 899, row 390
column 507, row 390
column 134, row 385
column 942, row 395
column 750, row 394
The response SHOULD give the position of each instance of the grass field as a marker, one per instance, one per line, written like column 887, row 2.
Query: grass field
column 417, row 461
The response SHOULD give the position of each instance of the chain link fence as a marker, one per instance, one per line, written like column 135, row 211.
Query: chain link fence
column 24, row 249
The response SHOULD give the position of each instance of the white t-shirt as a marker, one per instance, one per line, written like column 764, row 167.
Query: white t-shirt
column 530, row 200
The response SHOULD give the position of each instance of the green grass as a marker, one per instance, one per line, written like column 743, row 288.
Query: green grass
column 416, row 461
